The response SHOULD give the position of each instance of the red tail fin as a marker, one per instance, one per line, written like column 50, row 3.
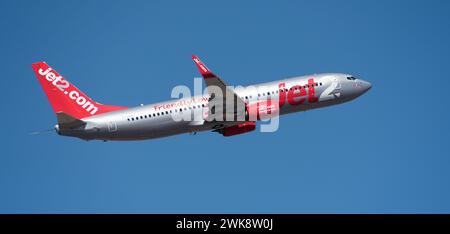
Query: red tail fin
column 65, row 97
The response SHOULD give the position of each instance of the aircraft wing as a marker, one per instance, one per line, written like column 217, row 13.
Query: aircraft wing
column 213, row 82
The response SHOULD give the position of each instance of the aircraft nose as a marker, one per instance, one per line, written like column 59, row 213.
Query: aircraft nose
column 366, row 86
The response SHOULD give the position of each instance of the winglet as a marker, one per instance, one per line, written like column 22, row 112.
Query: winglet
column 206, row 73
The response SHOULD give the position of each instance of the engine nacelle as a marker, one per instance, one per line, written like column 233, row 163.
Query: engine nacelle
column 238, row 129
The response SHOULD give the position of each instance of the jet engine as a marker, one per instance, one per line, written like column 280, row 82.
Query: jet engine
column 238, row 129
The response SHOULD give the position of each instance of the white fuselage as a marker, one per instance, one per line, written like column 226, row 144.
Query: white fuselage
column 156, row 120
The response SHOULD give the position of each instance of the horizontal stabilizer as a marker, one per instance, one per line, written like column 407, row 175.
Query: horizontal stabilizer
column 66, row 121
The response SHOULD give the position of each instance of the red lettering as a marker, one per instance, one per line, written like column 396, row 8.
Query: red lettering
column 311, row 92
column 292, row 95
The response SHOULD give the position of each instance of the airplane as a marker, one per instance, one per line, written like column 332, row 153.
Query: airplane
column 80, row 116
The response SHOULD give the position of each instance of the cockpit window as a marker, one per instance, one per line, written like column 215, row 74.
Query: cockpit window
column 351, row 78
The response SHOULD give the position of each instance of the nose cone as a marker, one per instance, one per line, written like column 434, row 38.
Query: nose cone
column 366, row 86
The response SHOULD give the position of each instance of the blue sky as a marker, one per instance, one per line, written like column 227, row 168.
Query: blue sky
column 386, row 152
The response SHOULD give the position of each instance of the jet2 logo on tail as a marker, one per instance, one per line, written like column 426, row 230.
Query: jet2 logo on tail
column 62, row 85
